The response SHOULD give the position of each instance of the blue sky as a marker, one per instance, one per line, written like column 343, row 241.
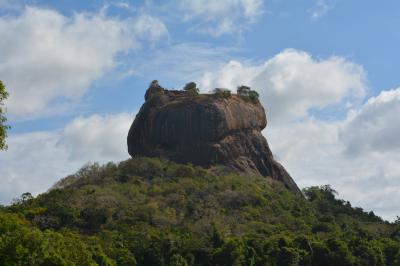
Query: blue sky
column 326, row 71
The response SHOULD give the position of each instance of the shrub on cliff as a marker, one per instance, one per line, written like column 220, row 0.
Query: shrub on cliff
column 248, row 94
column 154, row 90
column 253, row 96
column 223, row 93
column 243, row 90
column 191, row 88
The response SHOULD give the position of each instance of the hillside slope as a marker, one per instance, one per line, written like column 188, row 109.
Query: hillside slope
column 147, row 211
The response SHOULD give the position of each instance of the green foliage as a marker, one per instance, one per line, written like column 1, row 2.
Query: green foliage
column 253, row 96
column 243, row 90
column 223, row 93
column 191, row 88
column 22, row 244
column 24, row 199
column 149, row 211
column 246, row 93
column 3, row 119
column 154, row 90
column 178, row 260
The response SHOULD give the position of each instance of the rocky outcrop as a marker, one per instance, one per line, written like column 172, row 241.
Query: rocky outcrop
column 205, row 130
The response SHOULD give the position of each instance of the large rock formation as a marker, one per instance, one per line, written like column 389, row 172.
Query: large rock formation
column 205, row 130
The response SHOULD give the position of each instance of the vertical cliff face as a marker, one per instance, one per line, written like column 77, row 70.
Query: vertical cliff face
column 205, row 130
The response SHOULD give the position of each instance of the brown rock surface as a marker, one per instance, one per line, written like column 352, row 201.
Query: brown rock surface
column 205, row 130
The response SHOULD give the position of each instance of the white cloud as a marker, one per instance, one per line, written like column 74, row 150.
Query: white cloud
column 376, row 127
column 97, row 137
column 149, row 28
column 292, row 82
column 35, row 161
column 178, row 64
column 312, row 151
column 33, row 164
column 122, row 5
column 48, row 57
column 221, row 17
column 320, row 9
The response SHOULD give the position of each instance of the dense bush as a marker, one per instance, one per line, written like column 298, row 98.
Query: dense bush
column 223, row 93
column 243, row 90
column 147, row 211
column 23, row 244
column 248, row 94
column 191, row 88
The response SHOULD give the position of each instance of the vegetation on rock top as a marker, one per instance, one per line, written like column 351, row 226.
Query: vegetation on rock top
column 244, row 92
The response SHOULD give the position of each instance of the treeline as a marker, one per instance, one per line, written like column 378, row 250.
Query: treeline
column 147, row 211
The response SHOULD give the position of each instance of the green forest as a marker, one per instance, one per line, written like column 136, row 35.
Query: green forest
column 150, row 211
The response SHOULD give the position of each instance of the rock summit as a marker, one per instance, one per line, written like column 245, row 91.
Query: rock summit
column 206, row 130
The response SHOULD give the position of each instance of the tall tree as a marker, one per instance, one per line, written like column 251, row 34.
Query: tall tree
column 3, row 119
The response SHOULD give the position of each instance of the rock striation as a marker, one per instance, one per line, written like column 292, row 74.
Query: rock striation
column 205, row 130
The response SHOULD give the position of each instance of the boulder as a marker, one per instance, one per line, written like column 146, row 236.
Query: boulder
column 205, row 130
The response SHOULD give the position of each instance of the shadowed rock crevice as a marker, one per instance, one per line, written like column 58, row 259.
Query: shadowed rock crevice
column 205, row 130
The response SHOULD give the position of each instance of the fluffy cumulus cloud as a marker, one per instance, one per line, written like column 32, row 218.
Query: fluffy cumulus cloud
column 33, row 164
column 97, row 137
column 47, row 57
column 149, row 28
column 35, row 161
column 221, row 17
column 293, row 82
column 376, row 127
column 356, row 153
column 315, row 154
